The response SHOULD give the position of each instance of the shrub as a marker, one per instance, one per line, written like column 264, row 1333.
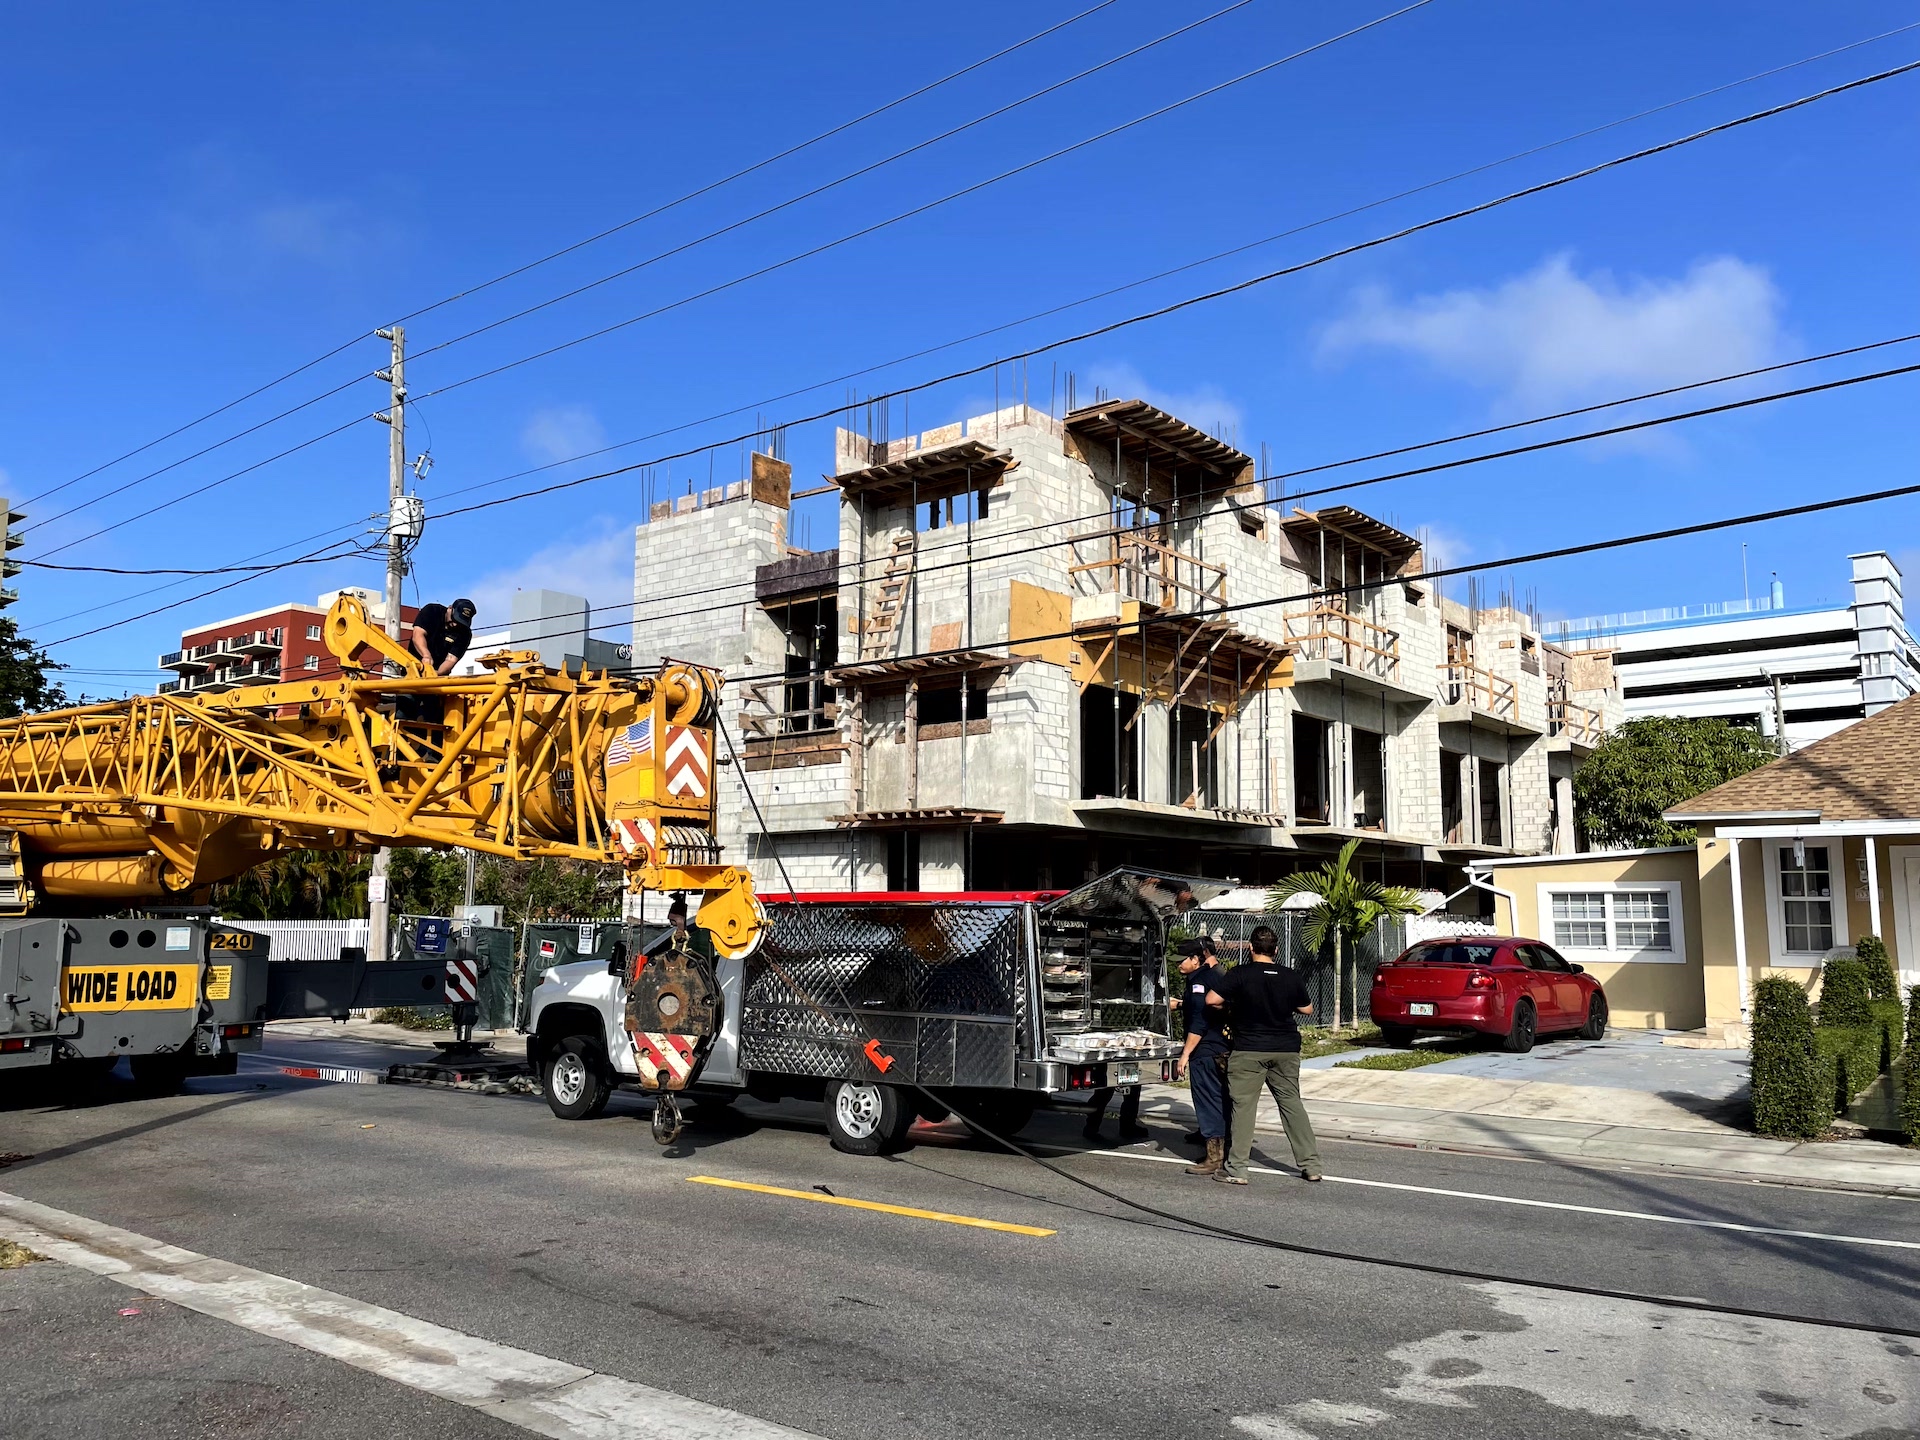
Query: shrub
column 415, row 1017
column 1887, row 1017
column 1909, row 1071
column 1845, row 995
column 1795, row 1083
column 1853, row 1053
column 1882, row 980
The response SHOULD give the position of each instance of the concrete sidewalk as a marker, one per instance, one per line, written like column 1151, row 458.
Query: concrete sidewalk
column 1572, row 1124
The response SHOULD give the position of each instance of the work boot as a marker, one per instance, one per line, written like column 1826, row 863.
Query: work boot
column 1091, row 1130
column 1216, row 1157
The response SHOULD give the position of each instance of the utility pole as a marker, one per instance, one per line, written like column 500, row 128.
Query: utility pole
column 1779, row 715
column 396, row 418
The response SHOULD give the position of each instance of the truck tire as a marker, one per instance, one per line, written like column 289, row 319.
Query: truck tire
column 575, row 1083
column 864, row 1118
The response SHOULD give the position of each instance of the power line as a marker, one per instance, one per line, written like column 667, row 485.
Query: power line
column 1233, row 506
column 1188, row 265
column 848, row 177
column 581, row 244
column 1206, row 297
column 933, row 204
column 742, row 279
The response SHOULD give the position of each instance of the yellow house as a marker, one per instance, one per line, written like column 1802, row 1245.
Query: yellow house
column 1795, row 861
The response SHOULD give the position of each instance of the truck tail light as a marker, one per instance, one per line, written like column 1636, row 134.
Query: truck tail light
column 1083, row 1077
column 235, row 1032
column 12, row 1045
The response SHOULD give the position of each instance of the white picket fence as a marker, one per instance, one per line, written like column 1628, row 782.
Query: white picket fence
column 1432, row 927
column 307, row 939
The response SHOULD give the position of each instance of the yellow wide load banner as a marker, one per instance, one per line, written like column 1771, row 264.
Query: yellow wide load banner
column 95, row 988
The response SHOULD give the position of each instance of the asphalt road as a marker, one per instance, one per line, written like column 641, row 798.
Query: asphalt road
column 586, row 1243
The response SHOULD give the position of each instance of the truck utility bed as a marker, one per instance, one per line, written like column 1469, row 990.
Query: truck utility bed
column 1041, row 991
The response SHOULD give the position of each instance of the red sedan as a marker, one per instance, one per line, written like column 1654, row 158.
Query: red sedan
column 1497, row 985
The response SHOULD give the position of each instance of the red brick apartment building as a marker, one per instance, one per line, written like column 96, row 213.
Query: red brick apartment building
column 262, row 645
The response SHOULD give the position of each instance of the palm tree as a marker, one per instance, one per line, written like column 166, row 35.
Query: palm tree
column 1347, row 907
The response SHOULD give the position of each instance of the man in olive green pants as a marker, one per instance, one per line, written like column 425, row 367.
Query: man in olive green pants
column 1264, row 1003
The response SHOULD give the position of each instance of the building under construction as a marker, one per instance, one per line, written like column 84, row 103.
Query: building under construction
column 1044, row 648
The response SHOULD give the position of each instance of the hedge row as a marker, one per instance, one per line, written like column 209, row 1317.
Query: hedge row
column 1794, row 1080
column 1910, row 1071
column 1804, row 1074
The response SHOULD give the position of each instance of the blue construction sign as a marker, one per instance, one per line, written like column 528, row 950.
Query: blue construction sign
column 430, row 935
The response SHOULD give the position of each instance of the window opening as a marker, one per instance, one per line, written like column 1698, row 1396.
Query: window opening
column 1806, row 898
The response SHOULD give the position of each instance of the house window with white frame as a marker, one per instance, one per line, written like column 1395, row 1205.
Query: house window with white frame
column 1806, row 898
column 1616, row 921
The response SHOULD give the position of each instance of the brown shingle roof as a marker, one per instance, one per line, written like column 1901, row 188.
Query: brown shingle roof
column 1868, row 771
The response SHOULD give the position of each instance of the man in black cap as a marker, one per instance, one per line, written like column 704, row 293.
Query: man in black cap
column 441, row 635
column 1205, row 1058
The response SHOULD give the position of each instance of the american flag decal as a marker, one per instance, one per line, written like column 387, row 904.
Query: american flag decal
column 635, row 740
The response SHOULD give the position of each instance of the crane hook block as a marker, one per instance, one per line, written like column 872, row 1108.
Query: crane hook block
column 673, row 1014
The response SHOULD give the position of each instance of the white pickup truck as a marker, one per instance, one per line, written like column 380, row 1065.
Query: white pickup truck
column 995, row 1002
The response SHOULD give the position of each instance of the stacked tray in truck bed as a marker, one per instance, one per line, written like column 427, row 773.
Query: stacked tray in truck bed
column 1112, row 1045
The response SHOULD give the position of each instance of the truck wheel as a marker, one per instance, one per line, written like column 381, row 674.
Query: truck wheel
column 867, row 1119
column 575, row 1083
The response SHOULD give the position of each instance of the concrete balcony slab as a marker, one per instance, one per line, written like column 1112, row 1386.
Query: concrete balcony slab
column 1394, row 686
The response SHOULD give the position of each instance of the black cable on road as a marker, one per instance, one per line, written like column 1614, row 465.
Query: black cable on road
column 1265, row 1242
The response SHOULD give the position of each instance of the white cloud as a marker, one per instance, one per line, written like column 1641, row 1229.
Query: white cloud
column 598, row 565
column 560, row 432
column 1552, row 336
column 235, row 220
column 1444, row 547
column 1204, row 406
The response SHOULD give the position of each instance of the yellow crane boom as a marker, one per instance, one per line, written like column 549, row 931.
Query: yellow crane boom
column 163, row 795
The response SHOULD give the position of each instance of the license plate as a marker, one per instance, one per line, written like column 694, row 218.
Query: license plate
column 1125, row 1074
column 1420, row 1007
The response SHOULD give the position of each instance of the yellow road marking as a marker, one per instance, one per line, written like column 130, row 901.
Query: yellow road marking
column 908, row 1211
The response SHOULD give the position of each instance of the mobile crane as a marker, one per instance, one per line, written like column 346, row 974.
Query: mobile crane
column 140, row 805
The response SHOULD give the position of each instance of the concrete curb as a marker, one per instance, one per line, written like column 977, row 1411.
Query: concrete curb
column 1719, row 1153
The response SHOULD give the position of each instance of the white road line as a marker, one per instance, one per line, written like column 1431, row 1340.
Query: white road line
column 1553, row 1205
column 547, row 1397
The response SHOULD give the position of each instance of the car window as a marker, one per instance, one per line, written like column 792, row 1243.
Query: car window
column 1455, row 953
column 1555, row 960
column 1538, row 957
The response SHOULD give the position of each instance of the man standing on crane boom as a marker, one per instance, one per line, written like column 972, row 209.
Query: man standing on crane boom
column 441, row 634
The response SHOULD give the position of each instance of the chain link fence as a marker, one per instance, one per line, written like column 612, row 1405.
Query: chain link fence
column 1231, row 931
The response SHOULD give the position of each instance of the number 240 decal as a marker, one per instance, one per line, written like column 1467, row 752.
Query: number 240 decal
column 231, row 940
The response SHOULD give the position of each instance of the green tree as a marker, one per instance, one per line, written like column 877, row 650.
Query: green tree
column 548, row 889
column 299, row 885
column 1652, row 764
column 25, row 670
column 1348, row 907
column 426, row 882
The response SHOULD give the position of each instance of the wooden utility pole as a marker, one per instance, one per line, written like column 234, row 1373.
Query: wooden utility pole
column 396, row 418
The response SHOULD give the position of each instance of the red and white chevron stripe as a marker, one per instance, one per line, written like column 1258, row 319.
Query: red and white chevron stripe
column 637, row 837
column 665, row 1061
column 463, row 980
column 688, row 766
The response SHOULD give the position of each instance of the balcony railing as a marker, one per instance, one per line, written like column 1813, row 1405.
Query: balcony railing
column 1136, row 566
column 171, row 687
column 1485, row 691
column 1578, row 723
column 1326, row 632
column 258, row 643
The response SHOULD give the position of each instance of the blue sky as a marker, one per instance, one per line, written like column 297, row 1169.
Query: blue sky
column 192, row 203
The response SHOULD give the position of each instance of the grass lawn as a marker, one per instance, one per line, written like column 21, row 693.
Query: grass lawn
column 1317, row 1042
column 1401, row 1059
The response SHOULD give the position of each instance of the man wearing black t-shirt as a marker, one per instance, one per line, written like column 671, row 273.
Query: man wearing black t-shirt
column 1263, row 1003
column 441, row 635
